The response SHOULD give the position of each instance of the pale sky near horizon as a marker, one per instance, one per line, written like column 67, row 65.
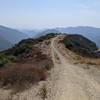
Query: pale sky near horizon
column 31, row 14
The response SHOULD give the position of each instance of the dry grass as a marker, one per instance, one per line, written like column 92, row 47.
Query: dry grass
column 86, row 60
column 77, row 58
column 21, row 74
column 90, row 61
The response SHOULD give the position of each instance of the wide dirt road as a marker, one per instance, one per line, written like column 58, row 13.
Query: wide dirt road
column 69, row 81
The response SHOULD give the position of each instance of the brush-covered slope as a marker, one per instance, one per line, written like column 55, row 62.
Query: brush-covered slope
column 24, row 63
column 91, row 33
column 80, row 45
column 23, row 51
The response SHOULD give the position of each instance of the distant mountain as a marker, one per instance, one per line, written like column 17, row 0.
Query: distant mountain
column 30, row 33
column 48, row 31
column 9, row 37
column 4, row 44
column 91, row 33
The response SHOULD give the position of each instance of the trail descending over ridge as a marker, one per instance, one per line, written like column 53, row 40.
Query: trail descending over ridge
column 69, row 81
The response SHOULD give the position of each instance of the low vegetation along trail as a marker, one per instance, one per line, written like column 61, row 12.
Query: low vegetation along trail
column 70, row 81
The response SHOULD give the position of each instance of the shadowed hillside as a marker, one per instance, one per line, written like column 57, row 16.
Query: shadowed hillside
column 9, row 37
column 80, row 45
column 91, row 33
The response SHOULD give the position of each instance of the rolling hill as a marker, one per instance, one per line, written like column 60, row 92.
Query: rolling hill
column 9, row 37
column 31, row 33
column 44, row 32
column 91, row 33
column 80, row 45
column 25, row 68
column 4, row 44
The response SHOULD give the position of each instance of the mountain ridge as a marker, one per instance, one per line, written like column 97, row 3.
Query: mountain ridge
column 89, row 32
column 10, row 37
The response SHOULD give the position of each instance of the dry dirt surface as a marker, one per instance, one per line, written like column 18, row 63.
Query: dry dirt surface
column 70, row 81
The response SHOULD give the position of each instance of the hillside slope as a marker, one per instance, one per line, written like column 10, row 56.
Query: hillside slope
column 45, row 32
column 23, row 70
column 80, row 45
column 4, row 44
column 91, row 33
column 27, row 71
column 11, row 35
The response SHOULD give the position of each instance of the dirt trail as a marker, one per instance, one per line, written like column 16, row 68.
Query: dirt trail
column 69, row 81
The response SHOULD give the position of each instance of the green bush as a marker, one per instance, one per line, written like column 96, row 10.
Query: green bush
column 3, row 60
column 12, row 58
column 24, row 48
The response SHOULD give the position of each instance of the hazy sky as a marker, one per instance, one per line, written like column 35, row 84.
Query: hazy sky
column 49, row 13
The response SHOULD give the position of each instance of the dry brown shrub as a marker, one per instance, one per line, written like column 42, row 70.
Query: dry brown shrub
column 18, row 74
column 90, row 61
